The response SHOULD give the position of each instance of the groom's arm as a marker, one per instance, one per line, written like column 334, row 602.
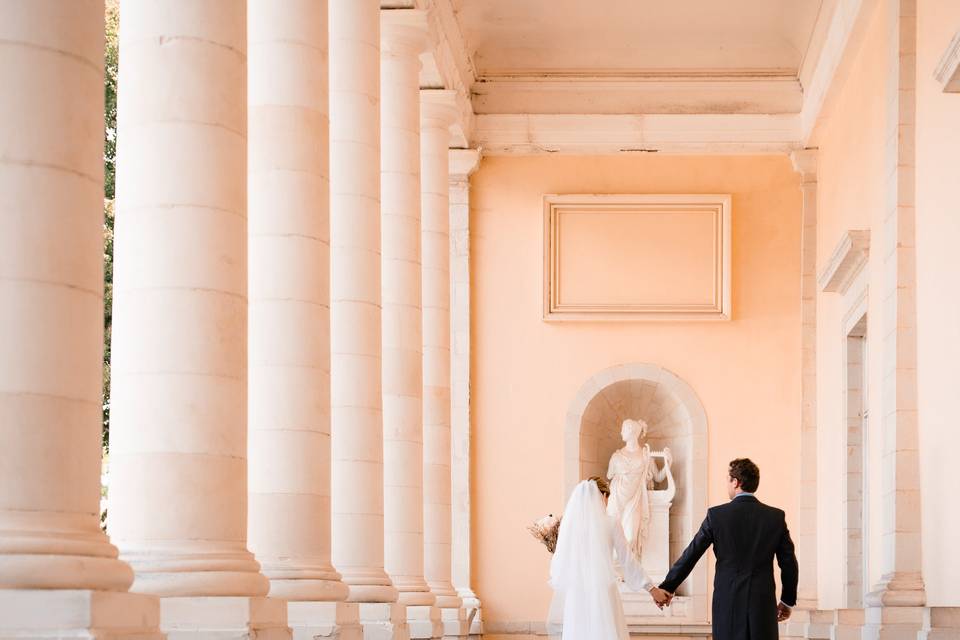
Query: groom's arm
column 789, row 569
column 689, row 558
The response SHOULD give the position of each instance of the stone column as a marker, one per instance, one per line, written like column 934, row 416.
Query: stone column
column 178, row 495
column 58, row 571
column 894, row 607
column 355, row 325
column 289, row 352
column 403, row 37
column 438, row 112
column 462, row 163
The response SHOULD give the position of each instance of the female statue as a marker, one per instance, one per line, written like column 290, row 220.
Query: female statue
column 632, row 473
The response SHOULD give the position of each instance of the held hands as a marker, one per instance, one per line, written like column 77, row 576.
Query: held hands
column 661, row 597
column 783, row 612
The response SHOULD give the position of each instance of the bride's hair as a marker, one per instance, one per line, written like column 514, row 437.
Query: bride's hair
column 602, row 485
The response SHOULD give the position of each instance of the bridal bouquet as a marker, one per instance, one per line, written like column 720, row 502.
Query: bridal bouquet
column 546, row 530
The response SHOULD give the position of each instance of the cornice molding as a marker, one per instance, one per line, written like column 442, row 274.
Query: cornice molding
column 646, row 93
column 463, row 162
column 616, row 134
column 805, row 163
column 635, row 74
column 848, row 259
column 948, row 71
column 448, row 60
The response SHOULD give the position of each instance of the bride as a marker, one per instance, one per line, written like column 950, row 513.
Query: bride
column 586, row 597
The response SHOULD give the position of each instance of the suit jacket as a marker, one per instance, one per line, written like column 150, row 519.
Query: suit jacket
column 746, row 536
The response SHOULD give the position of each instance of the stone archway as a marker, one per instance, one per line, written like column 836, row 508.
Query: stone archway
column 676, row 419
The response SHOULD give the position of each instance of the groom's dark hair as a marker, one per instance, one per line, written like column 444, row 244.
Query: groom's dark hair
column 744, row 470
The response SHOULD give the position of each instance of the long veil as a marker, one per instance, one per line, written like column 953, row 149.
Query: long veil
column 582, row 573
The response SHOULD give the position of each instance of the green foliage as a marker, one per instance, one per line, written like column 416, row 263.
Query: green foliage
column 111, row 58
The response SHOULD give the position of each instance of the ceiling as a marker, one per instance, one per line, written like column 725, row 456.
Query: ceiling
column 626, row 37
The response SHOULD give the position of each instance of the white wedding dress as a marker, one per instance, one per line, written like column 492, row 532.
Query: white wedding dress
column 586, row 601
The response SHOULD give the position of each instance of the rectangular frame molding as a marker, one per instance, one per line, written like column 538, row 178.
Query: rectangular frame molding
column 555, row 308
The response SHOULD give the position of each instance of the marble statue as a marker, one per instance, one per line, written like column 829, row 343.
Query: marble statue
column 632, row 472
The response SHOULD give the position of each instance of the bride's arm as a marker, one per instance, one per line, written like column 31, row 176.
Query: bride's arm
column 633, row 573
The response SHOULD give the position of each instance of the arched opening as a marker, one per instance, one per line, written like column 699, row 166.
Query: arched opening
column 676, row 419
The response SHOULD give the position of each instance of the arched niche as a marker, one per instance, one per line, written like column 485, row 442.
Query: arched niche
column 675, row 417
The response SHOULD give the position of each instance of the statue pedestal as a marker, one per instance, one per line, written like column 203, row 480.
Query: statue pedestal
column 655, row 554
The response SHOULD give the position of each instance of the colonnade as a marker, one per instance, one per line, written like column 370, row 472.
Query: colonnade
column 280, row 443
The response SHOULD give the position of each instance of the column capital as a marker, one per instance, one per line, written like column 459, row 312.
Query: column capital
column 438, row 108
column 463, row 162
column 805, row 163
column 403, row 32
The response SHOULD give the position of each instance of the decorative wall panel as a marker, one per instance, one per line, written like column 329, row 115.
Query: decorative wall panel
column 636, row 257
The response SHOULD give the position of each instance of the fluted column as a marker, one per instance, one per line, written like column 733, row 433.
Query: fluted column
column 356, row 404
column 438, row 112
column 51, row 299
column 178, row 492
column 403, row 37
column 289, row 395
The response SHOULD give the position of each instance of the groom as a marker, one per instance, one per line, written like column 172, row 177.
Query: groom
column 746, row 536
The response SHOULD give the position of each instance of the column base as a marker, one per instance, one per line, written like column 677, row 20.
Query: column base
column 79, row 614
column 224, row 618
column 847, row 624
column 796, row 625
column 456, row 622
column 309, row 620
column 417, row 598
column 373, row 594
column 308, row 590
column 468, row 598
column 819, row 625
column 892, row 623
column 898, row 590
column 940, row 623
column 384, row 621
column 424, row 622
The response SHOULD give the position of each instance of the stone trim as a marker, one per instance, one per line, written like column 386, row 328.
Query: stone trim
column 805, row 164
column 525, row 134
column 462, row 163
column 606, row 91
column 948, row 70
column 849, row 257
column 940, row 623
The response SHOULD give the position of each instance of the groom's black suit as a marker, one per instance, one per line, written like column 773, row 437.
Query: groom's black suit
column 746, row 536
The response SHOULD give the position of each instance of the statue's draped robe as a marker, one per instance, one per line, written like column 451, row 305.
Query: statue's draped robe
column 631, row 477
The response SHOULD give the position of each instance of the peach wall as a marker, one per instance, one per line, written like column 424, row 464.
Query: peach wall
column 525, row 371
column 851, row 196
column 938, row 304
